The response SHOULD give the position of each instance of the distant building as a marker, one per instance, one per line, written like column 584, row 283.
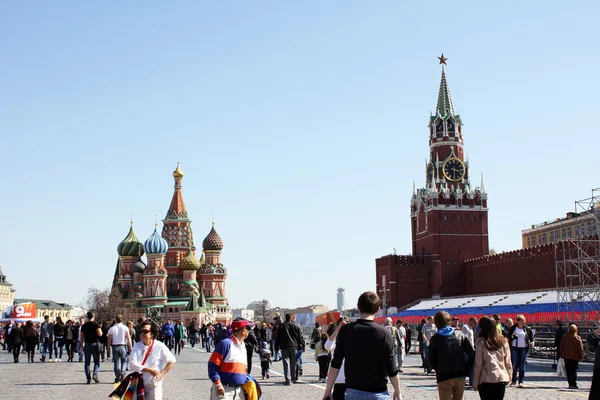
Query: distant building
column 341, row 299
column 50, row 308
column 312, row 309
column 7, row 293
column 243, row 313
column 574, row 225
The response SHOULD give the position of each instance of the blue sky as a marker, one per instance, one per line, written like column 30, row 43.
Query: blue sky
column 300, row 126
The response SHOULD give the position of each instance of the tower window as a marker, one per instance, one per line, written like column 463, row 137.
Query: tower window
column 445, row 217
column 460, row 218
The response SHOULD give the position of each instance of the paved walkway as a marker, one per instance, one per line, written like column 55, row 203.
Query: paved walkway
column 189, row 380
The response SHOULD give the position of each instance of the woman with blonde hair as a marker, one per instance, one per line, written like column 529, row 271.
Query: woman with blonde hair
column 493, row 367
column 571, row 350
column 521, row 339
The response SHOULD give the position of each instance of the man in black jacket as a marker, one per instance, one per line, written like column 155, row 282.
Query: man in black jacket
column 289, row 340
column 16, row 337
column 367, row 350
column 451, row 355
column 558, row 335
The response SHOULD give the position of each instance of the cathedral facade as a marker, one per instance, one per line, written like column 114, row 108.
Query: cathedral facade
column 174, row 282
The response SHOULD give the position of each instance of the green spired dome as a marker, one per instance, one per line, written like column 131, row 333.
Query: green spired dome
column 131, row 245
column 189, row 262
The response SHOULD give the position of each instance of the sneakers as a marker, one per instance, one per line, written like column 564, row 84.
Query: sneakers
column 117, row 380
column 95, row 378
column 287, row 383
column 267, row 375
column 89, row 381
column 520, row 384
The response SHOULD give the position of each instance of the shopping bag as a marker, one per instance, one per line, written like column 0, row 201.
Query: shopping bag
column 560, row 369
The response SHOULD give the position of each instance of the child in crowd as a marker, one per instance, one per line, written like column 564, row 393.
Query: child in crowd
column 265, row 359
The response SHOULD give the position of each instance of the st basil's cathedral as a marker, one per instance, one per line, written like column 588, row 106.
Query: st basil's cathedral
column 173, row 283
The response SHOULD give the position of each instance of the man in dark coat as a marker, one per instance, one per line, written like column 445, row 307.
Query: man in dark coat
column 289, row 340
column 16, row 337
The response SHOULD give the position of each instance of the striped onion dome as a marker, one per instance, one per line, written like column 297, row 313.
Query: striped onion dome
column 156, row 244
column 189, row 262
column 213, row 241
column 130, row 246
column 139, row 267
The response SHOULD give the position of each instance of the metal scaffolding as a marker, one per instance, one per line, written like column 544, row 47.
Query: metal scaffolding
column 578, row 264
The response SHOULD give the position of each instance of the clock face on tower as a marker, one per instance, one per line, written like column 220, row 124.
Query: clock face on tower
column 429, row 172
column 454, row 169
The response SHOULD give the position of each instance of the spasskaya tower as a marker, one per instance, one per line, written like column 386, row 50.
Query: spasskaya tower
column 449, row 215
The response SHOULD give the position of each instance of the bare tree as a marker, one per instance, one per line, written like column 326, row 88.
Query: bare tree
column 265, row 309
column 103, row 303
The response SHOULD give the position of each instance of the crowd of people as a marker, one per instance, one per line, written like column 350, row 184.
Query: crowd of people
column 355, row 359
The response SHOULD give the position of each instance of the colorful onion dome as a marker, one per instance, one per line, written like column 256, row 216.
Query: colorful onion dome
column 189, row 262
column 131, row 245
column 178, row 173
column 213, row 241
column 139, row 267
column 156, row 244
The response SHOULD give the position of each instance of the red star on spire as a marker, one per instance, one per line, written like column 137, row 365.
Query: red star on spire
column 442, row 59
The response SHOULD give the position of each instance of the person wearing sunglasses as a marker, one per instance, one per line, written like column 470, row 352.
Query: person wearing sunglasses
column 152, row 359
column 228, row 362
column 521, row 339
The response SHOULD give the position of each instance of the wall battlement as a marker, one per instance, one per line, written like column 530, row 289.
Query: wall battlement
column 408, row 260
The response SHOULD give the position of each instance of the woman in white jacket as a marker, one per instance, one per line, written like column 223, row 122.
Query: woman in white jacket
column 339, row 389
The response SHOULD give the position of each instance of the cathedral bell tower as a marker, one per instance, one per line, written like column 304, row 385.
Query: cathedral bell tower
column 177, row 231
column 448, row 216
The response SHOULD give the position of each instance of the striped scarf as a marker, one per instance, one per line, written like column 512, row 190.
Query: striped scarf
column 133, row 383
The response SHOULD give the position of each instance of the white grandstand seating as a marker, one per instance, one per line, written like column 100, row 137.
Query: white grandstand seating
column 503, row 299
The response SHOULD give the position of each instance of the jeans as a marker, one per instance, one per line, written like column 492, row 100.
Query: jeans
column 425, row 355
column 571, row 367
column 192, row 339
column 408, row 345
column 492, row 391
column 399, row 353
column 353, row 394
column 518, row 355
column 91, row 350
column 16, row 351
column 595, row 388
column 58, row 345
column 178, row 345
column 208, row 345
column 291, row 355
column 169, row 342
column 119, row 353
column 299, row 370
column 79, row 351
column 46, row 347
column 70, row 348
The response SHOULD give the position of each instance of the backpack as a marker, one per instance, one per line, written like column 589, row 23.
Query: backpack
column 394, row 332
column 220, row 334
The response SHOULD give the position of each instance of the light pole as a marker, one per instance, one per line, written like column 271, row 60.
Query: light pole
column 384, row 291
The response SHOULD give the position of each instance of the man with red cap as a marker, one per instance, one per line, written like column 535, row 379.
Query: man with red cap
column 227, row 364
